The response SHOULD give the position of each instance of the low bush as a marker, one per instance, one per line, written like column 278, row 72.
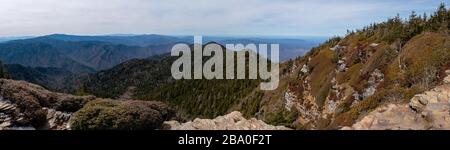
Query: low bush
column 120, row 115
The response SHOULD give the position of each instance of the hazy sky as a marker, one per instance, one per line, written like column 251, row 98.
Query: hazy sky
column 200, row 17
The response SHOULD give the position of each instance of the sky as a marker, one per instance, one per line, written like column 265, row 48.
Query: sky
column 200, row 17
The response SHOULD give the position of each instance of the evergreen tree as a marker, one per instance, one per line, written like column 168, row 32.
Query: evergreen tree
column 415, row 25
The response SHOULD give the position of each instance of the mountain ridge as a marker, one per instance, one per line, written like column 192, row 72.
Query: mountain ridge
column 342, row 80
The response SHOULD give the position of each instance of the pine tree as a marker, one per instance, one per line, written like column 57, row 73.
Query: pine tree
column 415, row 25
column 439, row 20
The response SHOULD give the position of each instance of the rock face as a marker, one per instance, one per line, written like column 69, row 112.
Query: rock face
column 429, row 110
column 58, row 120
column 232, row 121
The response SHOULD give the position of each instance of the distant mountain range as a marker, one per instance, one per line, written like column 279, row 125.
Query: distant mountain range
column 129, row 40
column 73, row 54
column 58, row 61
column 81, row 54
column 289, row 48
column 6, row 39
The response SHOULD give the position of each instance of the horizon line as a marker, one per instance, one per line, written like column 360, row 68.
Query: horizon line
column 175, row 35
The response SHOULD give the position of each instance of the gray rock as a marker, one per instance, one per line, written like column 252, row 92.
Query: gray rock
column 232, row 121
column 304, row 69
column 447, row 79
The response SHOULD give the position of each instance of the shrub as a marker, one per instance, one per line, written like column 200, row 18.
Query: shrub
column 72, row 103
column 120, row 115
column 284, row 118
column 31, row 109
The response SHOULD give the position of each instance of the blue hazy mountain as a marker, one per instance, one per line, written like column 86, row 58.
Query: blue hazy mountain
column 76, row 53
column 289, row 47
column 6, row 39
column 87, row 54
column 125, row 39
column 56, row 79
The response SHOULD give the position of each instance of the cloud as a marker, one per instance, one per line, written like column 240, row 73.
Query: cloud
column 205, row 17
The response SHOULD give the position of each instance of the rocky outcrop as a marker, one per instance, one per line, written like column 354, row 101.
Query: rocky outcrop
column 304, row 69
column 12, row 120
column 232, row 121
column 26, row 106
column 289, row 98
column 29, row 106
column 391, row 117
column 429, row 110
column 376, row 77
column 58, row 120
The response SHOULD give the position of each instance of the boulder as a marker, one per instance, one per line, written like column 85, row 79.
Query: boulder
column 231, row 121
column 447, row 79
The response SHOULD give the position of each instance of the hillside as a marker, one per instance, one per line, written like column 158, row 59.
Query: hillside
column 38, row 55
column 152, row 80
column 59, row 65
column 114, row 82
column 342, row 80
column 75, row 56
column 55, row 79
